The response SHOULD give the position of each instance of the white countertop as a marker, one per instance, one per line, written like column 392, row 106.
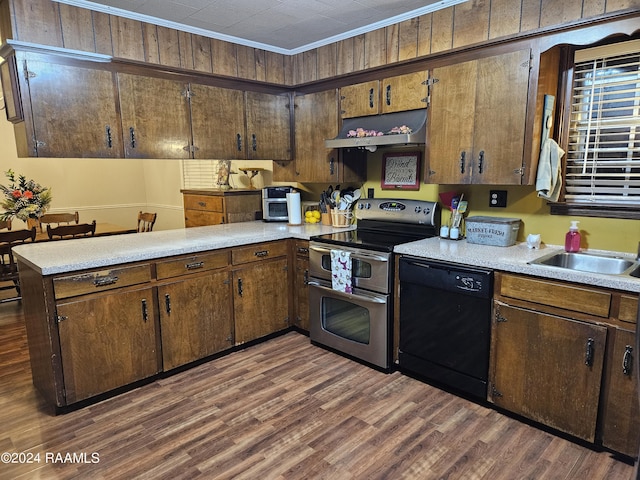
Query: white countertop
column 81, row 253
column 514, row 259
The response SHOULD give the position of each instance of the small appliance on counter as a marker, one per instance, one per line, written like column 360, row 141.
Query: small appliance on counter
column 274, row 203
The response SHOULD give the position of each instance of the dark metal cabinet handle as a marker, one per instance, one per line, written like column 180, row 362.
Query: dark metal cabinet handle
column 462, row 160
column 627, row 360
column 240, row 289
column 306, row 277
column 145, row 312
column 480, row 161
column 239, row 142
column 254, row 142
column 588, row 359
column 167, row 303
column 303, row 250
column 104, row 281
column 261, row 253
column 332, row 167
column 371, row 98
column 388, row 94
column 194, row 265
column 132, row 137
column 109, row 139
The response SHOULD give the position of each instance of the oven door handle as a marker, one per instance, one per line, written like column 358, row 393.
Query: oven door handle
column 359, row 254
column 350, row 296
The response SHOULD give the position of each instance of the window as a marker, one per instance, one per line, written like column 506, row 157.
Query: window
column 603, row 154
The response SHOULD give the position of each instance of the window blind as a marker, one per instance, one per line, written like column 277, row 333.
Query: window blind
column 199, row 174
column 603, row 157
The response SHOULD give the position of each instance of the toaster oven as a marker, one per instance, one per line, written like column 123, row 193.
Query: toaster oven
column 274, row 203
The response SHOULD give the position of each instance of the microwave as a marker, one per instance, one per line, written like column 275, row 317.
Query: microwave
column 274, row 204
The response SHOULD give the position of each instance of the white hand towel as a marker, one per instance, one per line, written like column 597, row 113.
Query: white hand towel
column 341, row 271
column 549, row 176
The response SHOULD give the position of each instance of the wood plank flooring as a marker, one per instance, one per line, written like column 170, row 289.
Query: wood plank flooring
column 283, row 409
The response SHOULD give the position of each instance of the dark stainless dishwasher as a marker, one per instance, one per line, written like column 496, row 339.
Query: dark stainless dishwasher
column 445, row 323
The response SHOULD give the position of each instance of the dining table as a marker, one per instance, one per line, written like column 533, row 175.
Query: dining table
column 102, row 229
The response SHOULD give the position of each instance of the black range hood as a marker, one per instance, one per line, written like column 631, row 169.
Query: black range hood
column 415, row 120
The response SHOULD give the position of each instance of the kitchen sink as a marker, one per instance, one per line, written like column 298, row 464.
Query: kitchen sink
column 590, row 262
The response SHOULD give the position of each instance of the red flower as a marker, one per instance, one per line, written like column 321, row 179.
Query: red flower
column 17, row 194
column 28, row 194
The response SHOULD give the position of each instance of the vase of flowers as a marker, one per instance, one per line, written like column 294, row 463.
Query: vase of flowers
column 24, row 199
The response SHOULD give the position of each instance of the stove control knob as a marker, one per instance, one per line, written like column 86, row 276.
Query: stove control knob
column 418, row 209
column 426, row 211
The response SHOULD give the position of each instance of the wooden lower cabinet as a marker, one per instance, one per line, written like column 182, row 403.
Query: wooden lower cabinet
column 196, row 318
column 301, row 284
column 107, row 341
column 621, row 414
column 215, row 207
column 261, row 293
column 547, row 368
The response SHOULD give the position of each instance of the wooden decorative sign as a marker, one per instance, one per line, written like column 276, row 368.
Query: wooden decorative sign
column 401, row 171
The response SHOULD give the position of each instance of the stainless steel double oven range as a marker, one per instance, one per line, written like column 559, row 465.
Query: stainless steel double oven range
column 359, row 323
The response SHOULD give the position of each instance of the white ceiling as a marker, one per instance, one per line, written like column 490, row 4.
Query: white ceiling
column 282, row 26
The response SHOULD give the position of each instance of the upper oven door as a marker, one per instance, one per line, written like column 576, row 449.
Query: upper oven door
column 369, row 269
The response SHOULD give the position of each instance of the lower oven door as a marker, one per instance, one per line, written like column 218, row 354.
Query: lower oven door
column 357, row 324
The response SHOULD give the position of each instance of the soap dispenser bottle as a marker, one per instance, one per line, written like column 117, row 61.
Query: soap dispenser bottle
column 572, row 239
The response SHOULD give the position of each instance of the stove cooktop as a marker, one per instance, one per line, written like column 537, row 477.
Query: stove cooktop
column 385, row 223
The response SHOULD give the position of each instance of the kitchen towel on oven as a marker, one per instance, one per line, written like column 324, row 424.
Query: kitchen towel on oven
column 341, row 271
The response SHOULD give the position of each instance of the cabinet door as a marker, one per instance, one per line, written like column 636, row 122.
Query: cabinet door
column 500, row 116
column 301, row 285
column 451, row 124
column 316, row 119
column 73, row 111
column 547, row 368
column 155, row 117
column 359, row 100
column 107, row 342
column 476, row 127
column 217, row 117
column 268, row 126
column 404, row 92
column 195, row 318
column 260, row 299
column 621, row 415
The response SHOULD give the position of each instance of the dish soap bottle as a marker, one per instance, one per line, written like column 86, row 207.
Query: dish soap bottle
column 572, row 239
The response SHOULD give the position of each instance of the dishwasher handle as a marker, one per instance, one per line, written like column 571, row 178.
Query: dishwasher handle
column 473, row 281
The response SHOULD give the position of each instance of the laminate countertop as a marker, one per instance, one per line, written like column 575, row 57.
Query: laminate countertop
column 64, row 256
column 514, row 259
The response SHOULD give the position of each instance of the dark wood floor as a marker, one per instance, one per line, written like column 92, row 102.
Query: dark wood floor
column 283, row 409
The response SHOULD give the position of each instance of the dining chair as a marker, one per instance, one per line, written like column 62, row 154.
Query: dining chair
column 5, row 224
column 58, row 219
column 146, row 221
column 71, row 231
column 8, row 266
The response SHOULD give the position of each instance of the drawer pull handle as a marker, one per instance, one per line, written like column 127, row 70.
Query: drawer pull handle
column 262, row 253
column 202, row 204
column 627, row 360
column 303, row 250
column 589, row 353
column 194, row 265
column 462, row 160
column 145, row 312
column 104, row 281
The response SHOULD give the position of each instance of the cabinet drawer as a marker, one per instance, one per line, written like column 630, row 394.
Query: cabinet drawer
column 262, row 251
column 200, row 218
column 191, row 264
column 203, row 202
column 628, row 308
column 100, row 280
column 555, row 294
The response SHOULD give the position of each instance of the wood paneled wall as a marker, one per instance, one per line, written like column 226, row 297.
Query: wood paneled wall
column 473, row 22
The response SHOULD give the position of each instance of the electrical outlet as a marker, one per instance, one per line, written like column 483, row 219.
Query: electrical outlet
column 498, row 198
column 370, row 192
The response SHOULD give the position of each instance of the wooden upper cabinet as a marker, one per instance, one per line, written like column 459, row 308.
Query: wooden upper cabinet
column 477, row 121
column 155, row 117
column 393, row 94
column 360, row 100
column 73, row 110
column 218, row 122
column 268, row 126
column 404, row 92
